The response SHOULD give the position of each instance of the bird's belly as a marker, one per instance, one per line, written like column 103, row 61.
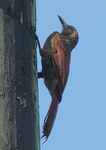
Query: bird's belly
column 49, row 74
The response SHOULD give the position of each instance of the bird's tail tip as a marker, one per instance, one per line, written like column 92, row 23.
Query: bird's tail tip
column 50, row 118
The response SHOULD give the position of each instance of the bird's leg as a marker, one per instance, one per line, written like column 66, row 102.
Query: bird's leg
column 42, row 52
column 33, row 34
column 40, row 74
column 32, row 31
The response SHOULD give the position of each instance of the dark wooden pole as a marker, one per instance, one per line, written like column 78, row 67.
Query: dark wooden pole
column 19, row 115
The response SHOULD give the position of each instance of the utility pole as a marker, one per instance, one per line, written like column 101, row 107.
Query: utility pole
column 19, row 114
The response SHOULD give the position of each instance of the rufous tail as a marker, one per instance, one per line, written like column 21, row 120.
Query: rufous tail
column 50, row 117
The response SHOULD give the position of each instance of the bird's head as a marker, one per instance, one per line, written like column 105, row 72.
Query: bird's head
column 70, row 33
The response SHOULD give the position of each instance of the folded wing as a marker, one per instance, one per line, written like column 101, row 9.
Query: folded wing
column 61, row 59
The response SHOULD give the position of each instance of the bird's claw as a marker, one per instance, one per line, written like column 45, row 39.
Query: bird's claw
column 32, row 30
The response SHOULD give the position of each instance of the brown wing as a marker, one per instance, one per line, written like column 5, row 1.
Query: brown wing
column 61, row 59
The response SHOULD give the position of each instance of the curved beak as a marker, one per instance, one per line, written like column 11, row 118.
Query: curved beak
column 62, row 22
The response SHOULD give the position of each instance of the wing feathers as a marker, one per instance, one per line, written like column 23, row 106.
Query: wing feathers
column 61, row 59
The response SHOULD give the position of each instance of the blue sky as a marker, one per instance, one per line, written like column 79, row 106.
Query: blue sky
column 81, row 120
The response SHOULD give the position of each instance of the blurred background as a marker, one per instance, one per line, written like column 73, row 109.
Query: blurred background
column 81, row 119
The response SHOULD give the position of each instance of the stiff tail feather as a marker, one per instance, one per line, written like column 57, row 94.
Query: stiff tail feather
column 50, row 117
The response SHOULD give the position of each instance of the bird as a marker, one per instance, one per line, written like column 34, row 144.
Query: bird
column 56, row 56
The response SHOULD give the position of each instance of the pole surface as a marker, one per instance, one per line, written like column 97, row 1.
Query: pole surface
column 19, row 114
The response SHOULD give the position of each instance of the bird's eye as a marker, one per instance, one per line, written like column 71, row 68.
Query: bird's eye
column 71, row 27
